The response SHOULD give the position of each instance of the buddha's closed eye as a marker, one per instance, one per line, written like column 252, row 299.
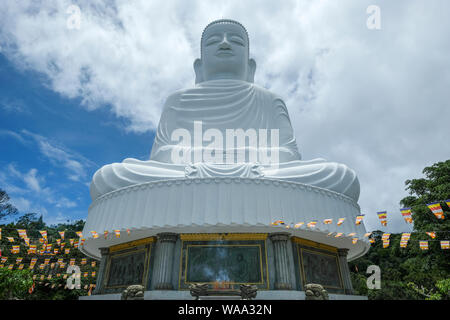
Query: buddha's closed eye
column 237, row 40
column 216, row 39
column 213, row 40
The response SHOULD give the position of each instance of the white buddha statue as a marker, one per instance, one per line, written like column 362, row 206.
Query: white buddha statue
column 226, row 126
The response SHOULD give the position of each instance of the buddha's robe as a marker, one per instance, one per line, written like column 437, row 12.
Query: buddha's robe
column 222, row 105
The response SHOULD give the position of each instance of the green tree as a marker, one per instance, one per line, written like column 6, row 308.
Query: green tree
column 14, row 284
column 412, row 273
column 46, row 289
column 6, row 208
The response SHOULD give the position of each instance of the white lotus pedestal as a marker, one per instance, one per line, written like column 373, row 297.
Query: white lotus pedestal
column 218, row 231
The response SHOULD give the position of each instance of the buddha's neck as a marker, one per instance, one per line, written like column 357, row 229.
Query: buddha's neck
column 225, row 76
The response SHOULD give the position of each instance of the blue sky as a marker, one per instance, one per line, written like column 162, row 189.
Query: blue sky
column 75, row 98
column 51, row 146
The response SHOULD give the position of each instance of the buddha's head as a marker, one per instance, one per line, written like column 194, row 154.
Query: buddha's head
column 224, row 53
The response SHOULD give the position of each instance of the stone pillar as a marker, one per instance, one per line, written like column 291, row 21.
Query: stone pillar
column 345, row 271
column 282, row 274
column 101, row 271
column 162, row 268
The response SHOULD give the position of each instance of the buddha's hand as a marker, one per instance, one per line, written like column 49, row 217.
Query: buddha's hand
column 190, row 170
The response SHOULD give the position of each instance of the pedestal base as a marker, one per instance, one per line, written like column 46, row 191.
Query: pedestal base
column 185, row 295
column 274, row 262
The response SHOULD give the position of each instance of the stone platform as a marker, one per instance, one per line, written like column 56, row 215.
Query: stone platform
column 279, row 264
column 185, row 295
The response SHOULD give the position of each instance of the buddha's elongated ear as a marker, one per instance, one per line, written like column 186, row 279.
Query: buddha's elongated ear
column 251, row 70
column 198, row 71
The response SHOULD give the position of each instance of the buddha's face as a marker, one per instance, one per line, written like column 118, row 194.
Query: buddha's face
column 224, row 54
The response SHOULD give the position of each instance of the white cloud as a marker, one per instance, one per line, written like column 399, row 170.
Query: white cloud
column 32, row 181
column 14, row 106
column 60, row 156
column 22, row 204
column 372, row 99
column 35, row 195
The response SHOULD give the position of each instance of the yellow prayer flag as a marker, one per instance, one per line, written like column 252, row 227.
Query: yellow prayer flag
column 431, row 234
column 436, row 208
column 423, row 245
column 94, row 234
column 22, row 233
column 359, row 219
column 311, row 224
column 43, row 234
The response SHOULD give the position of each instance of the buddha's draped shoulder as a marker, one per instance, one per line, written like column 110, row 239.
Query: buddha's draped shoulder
column 222, row 105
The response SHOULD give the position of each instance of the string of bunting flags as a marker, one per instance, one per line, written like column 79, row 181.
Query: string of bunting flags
column 406, row 213
column 44, row 238
column 51, row 249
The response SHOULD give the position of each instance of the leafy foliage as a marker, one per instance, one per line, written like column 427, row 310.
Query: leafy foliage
column 412, row 273
column 6, row 208
column 14, row 284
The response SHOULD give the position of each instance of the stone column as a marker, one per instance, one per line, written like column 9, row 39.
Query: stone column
column 162, row 268
column 345, row 271
column 101, row 271
column 282, row 274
